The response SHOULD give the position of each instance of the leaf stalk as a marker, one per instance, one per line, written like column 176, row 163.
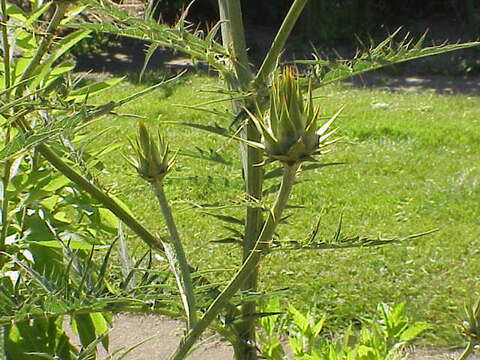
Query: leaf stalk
column 270, row 61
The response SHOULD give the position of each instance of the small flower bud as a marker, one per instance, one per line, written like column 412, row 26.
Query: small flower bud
column 152, row 160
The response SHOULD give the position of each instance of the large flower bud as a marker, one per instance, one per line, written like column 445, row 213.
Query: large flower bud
column 289, row 127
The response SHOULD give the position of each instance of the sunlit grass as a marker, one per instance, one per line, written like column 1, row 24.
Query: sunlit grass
column 412, row 164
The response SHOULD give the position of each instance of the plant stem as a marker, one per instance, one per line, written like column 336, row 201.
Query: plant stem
column 248, row 266
column 6, row 48
column 5, row 182
column 233, row 36
column 185, row 283
column 253, row 222
column 270, row 61
column 100, row 196
column 8, row 163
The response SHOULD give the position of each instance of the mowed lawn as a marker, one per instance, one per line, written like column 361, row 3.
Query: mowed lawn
column 412, row 165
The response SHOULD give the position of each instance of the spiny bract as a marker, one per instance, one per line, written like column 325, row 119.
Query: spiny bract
column 289, row 127
column 152, row 159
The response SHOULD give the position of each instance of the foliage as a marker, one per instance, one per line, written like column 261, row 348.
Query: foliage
column 49, row 227
column 471, row 329
column 44, row 112
column 381, row 338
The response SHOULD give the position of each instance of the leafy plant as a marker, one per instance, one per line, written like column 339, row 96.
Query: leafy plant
column 380, row 338
column 49, row 228
column 471, row 329
column 273, row 118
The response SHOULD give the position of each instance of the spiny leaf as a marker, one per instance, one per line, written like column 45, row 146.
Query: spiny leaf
column 349, row 242
column 25, row 141
column 178, row 38
column 150, row 51
column 387, row 52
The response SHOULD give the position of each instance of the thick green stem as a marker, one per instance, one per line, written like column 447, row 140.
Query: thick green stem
column 5, row 182
column 6, row 48
column 254, row 184
column 248, row 266
column 233, row 36
column 100, row 196
column 184, row 279
column 8, row 163
column 270, row 61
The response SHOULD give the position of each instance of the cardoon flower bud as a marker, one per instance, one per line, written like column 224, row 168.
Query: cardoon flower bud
column 152, row 160
column 289, row 128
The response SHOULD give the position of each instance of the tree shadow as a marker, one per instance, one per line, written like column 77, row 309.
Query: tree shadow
column 441, row 84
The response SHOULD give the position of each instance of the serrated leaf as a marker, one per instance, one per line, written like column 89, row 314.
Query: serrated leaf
column 414, row 330
column 60, row 48
column 385, row 53
column 298, row 318
column 150, row 51
column 80, row 94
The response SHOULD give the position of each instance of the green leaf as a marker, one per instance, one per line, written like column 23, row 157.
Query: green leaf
column 60, row 49
column 89, row 327
column 108, row 218
column 177, row 38
column 72, row 244
column 386, row 53
column 80, row 94
column 150, row 51
column 298, row 318
column 414, row 330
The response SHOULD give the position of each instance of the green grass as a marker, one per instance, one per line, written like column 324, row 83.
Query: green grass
column 411, row 166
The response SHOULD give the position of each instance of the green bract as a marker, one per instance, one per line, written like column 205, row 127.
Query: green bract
column 152, row 159
column 289, row 128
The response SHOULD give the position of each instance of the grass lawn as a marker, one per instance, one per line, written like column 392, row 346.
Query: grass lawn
column 412, row 165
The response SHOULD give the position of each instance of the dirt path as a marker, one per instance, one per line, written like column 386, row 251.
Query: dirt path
column 164, row 335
